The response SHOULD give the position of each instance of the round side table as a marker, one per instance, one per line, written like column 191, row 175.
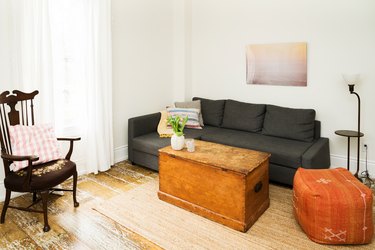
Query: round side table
column 349, row 134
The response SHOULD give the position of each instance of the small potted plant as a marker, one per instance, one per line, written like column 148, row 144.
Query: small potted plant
column 178, row 125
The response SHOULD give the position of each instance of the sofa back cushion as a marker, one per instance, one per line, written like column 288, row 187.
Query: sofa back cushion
column 297, row 124
column 212, row 111
column 243, row 116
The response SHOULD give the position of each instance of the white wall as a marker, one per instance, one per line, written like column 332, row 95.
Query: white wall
column 341, row 38
column 143, row 57
column 182, row 50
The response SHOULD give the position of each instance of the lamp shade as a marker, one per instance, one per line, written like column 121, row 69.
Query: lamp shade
column 351, row 79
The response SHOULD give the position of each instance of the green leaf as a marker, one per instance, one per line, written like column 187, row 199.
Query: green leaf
column 177, row 123
column 184, row 123
column 179, row 133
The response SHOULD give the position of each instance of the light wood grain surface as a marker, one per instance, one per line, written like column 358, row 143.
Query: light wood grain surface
column 82, row 227
column 217, row 182
column 225, row 157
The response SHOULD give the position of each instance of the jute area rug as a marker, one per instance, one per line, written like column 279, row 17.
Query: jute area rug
column 170, row 227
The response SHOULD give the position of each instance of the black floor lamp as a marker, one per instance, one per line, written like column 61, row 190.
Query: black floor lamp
column 351, row 80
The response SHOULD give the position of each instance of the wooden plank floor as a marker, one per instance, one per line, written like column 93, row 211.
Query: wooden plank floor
column 82, row 227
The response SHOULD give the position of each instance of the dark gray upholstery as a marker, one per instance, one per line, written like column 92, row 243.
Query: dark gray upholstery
column 147, row 160
column 150, row 143
column 143, row 150
column 243, row 116
column 296, row 124
column 316, row 156
column 316, row 129
column 212, row 111
column 197, row 133
column 286, row 154
column 279, row 148
column 141, row 125
column 281, row 174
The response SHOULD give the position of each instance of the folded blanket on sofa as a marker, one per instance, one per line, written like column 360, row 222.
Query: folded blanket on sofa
column 163, row 129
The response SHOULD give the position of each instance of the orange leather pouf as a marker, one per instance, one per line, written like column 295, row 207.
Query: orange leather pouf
column 332, row 206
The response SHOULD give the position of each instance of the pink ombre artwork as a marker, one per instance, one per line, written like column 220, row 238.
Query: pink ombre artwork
column 276, row 64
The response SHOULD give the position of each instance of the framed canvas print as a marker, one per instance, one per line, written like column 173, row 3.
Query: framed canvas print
column 277, row 64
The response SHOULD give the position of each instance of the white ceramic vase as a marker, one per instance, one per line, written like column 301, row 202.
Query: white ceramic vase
column 177, row 142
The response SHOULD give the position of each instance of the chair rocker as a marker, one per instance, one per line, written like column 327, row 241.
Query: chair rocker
column 38, row 179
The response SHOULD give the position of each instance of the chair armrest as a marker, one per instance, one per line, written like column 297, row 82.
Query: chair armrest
column 29, row 158
column 19, row 158
column 71, row 140
column 317, row 156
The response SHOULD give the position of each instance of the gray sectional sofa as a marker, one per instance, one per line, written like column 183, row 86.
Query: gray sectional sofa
column 292, row 136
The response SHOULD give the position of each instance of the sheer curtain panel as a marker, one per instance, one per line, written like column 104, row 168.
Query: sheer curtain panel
column 63, row 47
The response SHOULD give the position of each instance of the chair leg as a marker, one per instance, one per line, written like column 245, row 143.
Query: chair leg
column 44, row 195
column 5, row 207
column 34, row 196
column 76, row 204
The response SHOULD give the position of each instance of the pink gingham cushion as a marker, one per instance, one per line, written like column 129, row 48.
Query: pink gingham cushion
column 39, row 140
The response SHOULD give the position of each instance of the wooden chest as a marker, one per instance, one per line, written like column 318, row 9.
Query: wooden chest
column 225, row 184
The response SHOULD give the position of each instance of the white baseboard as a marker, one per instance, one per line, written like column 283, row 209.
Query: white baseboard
column 121, row 153
column 341, row 161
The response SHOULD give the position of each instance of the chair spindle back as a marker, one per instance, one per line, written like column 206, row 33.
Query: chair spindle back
column 15, row 109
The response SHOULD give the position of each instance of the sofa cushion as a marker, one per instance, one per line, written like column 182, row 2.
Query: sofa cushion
column 191, row 113
column 212, row 111
column 243, row 116
column 197, row 134
column 296, row 124
column 284, row 152
column 192, row 104
column 152, row 142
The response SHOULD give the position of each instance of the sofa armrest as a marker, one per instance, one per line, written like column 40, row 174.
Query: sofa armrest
column 316, row 129
column 318, row 155
column 141, row 125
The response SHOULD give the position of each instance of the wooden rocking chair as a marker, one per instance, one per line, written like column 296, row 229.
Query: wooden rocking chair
column 37, row 179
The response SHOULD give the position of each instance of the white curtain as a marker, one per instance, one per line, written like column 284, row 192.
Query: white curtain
column 30, row 52
column 63, row 49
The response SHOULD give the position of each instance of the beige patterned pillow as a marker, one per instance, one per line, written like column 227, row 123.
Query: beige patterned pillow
column 192, row 104
column 191, row 113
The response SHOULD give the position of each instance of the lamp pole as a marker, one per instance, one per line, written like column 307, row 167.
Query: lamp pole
column 351, row 89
